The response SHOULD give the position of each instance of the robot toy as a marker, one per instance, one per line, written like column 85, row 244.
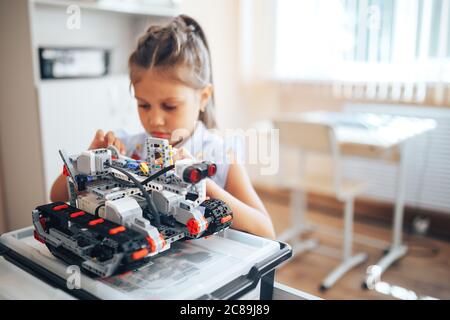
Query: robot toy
column 123, row 211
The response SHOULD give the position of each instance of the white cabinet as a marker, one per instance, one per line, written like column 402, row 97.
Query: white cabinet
column 141, row 7
column 72, row 110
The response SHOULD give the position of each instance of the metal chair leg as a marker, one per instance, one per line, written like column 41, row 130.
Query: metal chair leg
column 297, row 215
column 343, row 268
column 299, row 224
column 348, row 261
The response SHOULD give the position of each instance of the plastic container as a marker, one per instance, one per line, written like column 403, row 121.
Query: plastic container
column 232, row 265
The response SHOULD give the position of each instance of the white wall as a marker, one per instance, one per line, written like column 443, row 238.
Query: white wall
column 20, row 144
column 2, row 207
column 220, row 21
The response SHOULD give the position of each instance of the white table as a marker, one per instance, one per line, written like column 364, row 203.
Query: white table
column 378, row 136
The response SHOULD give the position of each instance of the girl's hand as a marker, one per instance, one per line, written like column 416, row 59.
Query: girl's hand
column 103, row 141
column 181, row 153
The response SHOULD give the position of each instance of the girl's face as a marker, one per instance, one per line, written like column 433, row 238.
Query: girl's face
column 167, row 107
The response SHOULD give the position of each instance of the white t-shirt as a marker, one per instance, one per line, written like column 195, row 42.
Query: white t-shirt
column 203, row 144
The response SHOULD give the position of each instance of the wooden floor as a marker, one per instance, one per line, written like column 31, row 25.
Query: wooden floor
column 425, row 269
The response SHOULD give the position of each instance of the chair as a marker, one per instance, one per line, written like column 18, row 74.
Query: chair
column 307, row 138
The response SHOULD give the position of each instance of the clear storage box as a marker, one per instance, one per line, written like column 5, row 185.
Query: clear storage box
column 232, row 265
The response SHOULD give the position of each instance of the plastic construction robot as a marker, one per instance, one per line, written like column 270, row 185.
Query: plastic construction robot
column 124, row 211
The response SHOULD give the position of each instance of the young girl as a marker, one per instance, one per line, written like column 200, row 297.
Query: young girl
column 170, row 71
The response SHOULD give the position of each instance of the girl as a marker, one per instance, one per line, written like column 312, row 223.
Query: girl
column 170, row 71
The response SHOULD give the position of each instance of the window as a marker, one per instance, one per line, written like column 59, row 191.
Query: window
column 363, row 40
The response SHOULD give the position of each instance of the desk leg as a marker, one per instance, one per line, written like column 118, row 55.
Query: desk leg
column 397, row 250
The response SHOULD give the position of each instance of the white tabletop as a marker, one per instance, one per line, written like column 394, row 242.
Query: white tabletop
column 17, row 284
column 372, row 129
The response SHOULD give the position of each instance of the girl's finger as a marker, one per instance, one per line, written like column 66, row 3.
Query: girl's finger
column 109, row 138
column 119, row 145
column 176, row 154
column 123, row 150
column 98, row 140
column 181, row 153
column 99, row 135
column 184, row 154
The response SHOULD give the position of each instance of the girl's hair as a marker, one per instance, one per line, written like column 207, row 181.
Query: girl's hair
column 181, row 43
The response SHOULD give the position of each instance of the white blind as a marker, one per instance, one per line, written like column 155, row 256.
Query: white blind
column 381, row 41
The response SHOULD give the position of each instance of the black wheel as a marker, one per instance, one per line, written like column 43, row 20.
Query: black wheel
column 218, row 214
column 70, row 258
column 102, row 252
